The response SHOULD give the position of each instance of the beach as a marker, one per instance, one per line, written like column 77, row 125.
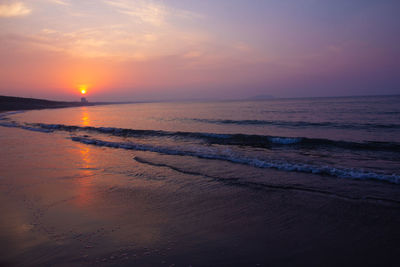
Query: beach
column 65, row 210
column 69, row 201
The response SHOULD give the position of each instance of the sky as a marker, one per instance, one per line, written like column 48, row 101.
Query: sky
column 127, row 50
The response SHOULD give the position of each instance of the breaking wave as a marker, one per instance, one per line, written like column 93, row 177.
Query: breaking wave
column 255, row 162
column 225, row 155
column 258, row 185
column 262, row 141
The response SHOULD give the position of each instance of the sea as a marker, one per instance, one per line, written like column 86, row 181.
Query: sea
column 339, row 138
column 277, row 181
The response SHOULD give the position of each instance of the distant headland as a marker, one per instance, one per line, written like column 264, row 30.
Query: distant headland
column 9, row 103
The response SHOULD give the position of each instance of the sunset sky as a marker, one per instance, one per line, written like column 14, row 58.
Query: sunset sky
column 191, row 49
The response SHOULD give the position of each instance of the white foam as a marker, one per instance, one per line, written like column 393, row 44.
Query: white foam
column 273, row 164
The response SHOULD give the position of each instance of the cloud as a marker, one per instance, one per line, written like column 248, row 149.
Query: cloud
column 59, row 2
column 146, row 12
column 14, row 10
column 149, row 30
column 151, row 12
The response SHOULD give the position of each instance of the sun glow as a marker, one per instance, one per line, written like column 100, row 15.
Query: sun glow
column 83, row 89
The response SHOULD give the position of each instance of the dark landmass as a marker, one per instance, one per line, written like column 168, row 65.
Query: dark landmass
column 9, row 103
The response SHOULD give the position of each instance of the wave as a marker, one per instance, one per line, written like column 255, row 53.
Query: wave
column 262, row 141
column 239, row 139
column 298, row 123
column 258, row 163
column 258, row 185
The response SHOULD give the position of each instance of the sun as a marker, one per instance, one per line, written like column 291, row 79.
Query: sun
column 83, row 89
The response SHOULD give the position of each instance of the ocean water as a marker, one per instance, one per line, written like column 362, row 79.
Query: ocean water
column 281, row 182
column 351, row 138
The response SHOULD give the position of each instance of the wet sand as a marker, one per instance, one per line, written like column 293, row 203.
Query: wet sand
column 64, row 203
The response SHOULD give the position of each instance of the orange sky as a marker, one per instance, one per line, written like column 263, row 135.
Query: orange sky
column 157, row 50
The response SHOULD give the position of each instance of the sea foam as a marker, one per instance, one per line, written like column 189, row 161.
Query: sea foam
column 255, row 162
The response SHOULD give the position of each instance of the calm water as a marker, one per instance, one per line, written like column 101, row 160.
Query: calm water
column 354, row 137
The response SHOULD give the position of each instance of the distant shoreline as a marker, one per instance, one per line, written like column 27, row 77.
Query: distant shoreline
column 11, row 103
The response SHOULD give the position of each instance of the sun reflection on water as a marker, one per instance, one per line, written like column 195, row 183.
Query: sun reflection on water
column 86, row 174
column 85, row 166
column 85, row 117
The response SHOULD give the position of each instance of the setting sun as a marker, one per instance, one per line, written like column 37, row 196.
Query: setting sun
column 83, row 89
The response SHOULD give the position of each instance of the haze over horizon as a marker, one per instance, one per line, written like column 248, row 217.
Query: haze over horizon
column 124, row 50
